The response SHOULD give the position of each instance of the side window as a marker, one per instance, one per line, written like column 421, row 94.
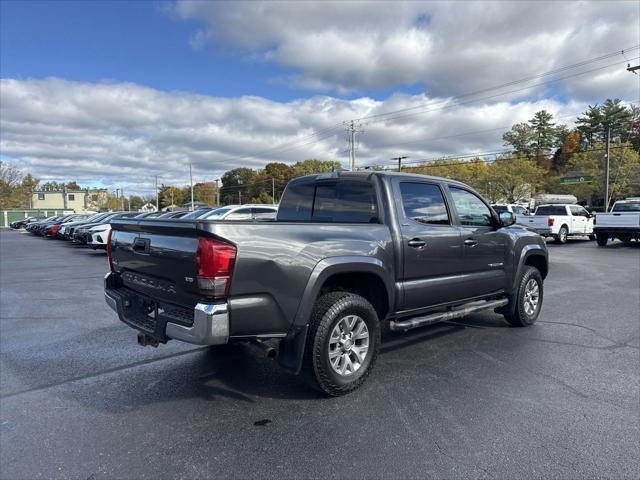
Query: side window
column 296, row 202
column 471, row 210
column 345, row 201
column 41, row 196
column 242, row 214
column 72, row 197
column 424, row 203
column 263, row 213
column 519, row 210
column 583, row 212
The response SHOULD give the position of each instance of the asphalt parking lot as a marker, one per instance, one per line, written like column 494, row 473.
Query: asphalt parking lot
column 466, row 399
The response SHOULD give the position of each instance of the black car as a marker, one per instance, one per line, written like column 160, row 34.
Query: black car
column 23, row 222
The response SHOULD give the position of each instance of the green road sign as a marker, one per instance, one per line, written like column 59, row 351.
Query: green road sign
column 574, row 180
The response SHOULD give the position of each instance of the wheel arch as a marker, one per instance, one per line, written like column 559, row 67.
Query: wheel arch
column 337, row 274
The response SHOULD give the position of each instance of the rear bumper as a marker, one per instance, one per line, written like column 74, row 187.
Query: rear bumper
column 210, row 325
column 545, row 232
column 617, row 230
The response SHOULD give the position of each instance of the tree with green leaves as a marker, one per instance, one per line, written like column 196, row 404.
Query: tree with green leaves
column 537, row 137
column 624, row 173
column 613, row 113
column 513, row 177
column 311, row 166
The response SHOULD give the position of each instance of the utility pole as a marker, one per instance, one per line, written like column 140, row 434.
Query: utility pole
column 353, row 128
column 606, row 170
column 399, row 159
column 239, row 197
column 217, row 192
column 273, row 190
column 122, row 196
column 157, row 196
column 191, row 180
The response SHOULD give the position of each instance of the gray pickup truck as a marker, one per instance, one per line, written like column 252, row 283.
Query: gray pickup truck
column 349, row 254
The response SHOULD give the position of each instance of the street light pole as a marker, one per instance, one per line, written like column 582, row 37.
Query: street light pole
column 157, row 196
column 217, row 192
column 606, row 170
column 191, row 180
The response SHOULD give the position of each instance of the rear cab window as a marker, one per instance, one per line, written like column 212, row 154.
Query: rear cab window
column 626, row 207
column 337, row 201
column 551, row 210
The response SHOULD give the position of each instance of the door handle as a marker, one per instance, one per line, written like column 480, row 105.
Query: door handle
column 470, row 242
column 141, row 245
column 417, row 243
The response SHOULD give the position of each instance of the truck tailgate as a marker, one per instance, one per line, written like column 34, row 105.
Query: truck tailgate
column 157, row 258
column 618, row 220
column 535, row 221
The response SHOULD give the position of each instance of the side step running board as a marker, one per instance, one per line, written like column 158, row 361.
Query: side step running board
column 462, row 311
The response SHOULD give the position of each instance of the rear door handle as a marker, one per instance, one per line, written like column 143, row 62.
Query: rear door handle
column 470, row 242
column 417, row 243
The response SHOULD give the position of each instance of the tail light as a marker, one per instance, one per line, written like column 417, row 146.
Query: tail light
column 215, row 261
column 109, row 250
column 550, row 221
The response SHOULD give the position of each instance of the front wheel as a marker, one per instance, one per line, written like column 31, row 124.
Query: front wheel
column 342, row 343
column 528, row 299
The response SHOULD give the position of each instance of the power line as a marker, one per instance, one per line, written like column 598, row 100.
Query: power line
column 515, row 82
column 458, row 104
column 332, row 130
column 440, row 161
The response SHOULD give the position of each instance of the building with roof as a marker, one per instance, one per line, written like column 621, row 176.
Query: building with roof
column 76, row 200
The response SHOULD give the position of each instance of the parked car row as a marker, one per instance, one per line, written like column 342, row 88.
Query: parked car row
column 92, row 229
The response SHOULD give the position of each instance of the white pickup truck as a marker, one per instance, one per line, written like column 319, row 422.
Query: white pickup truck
column 623, row 222
column 559, row 222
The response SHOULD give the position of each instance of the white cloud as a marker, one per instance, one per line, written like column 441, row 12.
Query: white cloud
column 124, row 134
column 448, row 47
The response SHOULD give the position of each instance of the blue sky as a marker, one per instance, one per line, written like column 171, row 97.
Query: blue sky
column 114, row 92
column 136, row 42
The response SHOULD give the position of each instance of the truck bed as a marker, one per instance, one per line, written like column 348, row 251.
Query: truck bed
column 273, row 263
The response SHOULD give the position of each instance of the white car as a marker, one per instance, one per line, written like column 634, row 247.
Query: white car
column 97, row 236
column 559, row 222
column 514, row 208
column 622, row 222
column 242, row 212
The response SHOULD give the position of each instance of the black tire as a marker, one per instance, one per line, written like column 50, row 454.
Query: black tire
column 602, row 239
column 563, row 233
column 329, row 310
column 520, row 317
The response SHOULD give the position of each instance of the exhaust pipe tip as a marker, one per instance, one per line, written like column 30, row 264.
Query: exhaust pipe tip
column 269, row 351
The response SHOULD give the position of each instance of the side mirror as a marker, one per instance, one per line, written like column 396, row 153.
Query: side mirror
column 507, row 219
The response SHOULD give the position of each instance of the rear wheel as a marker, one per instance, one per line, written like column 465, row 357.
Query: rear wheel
column 342, row 344
column 563, row 233
column 528, row 299
column 602, row 239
